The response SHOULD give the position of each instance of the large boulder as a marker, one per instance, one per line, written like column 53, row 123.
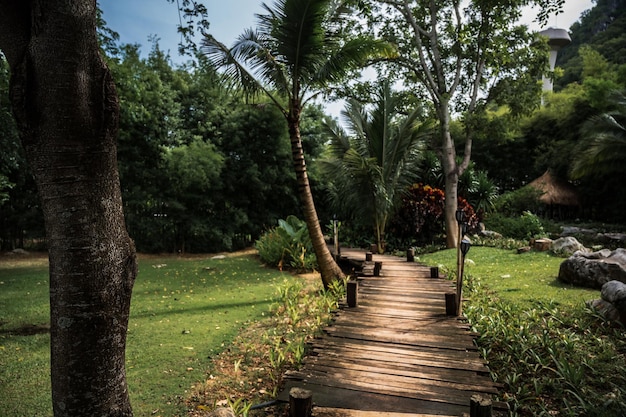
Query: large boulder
column 612, row 305
column 594, row 269
column 567, row 246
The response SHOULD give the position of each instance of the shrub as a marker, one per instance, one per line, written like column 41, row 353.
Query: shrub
column 288, row 246
column 420, row 219
column 526, row 226
column 515, row 203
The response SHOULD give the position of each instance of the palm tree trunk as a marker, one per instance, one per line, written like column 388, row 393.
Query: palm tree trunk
column 329, row 269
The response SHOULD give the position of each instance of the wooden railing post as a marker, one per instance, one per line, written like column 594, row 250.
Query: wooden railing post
column 368, row 256
column 410, row 255
column 450, row 304
column 352, row 288
column 480, row 406
column 434, row 272
column 378, row 265
column 300, row 402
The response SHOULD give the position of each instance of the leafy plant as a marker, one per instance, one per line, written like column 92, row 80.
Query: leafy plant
column 288, row 246
column 525, row 226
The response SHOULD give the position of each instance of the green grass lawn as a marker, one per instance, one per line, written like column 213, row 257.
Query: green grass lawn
column 521, row 278
column 183, row 312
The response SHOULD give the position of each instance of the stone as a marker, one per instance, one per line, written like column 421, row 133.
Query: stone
column 567, row 246
column 605, row 309
column 490, row 234
column 612, row 306
column 594, row 269
column 573, row 230
column 542, row 245
column 614, row 292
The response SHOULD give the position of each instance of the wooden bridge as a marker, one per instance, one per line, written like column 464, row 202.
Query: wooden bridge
column 396, row 353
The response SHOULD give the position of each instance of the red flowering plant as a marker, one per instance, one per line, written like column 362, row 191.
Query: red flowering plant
column 420, row 218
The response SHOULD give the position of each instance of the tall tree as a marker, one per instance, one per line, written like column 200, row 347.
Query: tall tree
column 376, row 161
column 297, row 49
column 66, row 108
column 458, row 54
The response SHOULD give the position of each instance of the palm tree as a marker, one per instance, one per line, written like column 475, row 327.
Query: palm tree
column 605, row 152
column 377, row 162
column 297, row 50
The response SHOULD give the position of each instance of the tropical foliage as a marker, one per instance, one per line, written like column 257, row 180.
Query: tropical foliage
column 288, row 246
column 298, row 48
column 369, row 168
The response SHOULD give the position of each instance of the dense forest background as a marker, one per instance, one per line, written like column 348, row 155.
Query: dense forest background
column 204, row 170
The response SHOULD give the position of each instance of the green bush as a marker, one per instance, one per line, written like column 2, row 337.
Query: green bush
column 515, row 203
column 288, row 246
column 526, row 226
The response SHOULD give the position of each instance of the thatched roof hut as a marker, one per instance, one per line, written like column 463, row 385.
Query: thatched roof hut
column 555, row 191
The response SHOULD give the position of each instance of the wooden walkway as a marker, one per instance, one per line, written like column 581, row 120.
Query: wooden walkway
column 396, row 353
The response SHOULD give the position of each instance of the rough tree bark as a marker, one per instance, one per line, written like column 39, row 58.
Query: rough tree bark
column 329, row 270
column 66, row 107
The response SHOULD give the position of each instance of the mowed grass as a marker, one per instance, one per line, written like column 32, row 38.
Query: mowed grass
column 524, row 278
column 183, row 312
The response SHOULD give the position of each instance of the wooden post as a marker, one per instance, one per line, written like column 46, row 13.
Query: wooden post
column 300, row 402
column 480, row 406
column 434, row 272
column 378, row 265
column 450, row 304
column 352, row 287
column 368, row 256
column 410, row 255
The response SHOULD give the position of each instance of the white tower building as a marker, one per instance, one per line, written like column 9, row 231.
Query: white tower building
column 557, row 38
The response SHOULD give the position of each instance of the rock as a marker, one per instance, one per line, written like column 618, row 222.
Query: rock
column 611, row 238
column 615, row 293
column 612, row 306
column 594, row 269
column 490, row 234
column 523, row 249
column 605, row 309
column 542, row 245
column 222, row 412
column 18, row 251
column 567, row 246
column 572, row 230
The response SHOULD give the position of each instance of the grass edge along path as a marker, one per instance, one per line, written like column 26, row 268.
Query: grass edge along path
column 250, row 372
column 184, row 311
column 554, row 356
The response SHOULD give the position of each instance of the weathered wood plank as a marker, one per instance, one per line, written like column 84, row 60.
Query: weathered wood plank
column 413, row 377
column 345, row 398
column 451, row 359
column 396, row 351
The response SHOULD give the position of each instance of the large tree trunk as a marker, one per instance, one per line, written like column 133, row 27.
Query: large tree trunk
column 451, row 174
column 66, row 108
column 329, row 269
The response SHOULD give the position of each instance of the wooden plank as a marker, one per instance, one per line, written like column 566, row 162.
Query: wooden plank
column 326, row 396
column 461, row 342
column 342, row 412
column 422, row 392
column 452, row 359
column 400, row 367
column 389, row 375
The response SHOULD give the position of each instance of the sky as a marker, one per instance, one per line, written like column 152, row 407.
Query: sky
column 136, row 20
